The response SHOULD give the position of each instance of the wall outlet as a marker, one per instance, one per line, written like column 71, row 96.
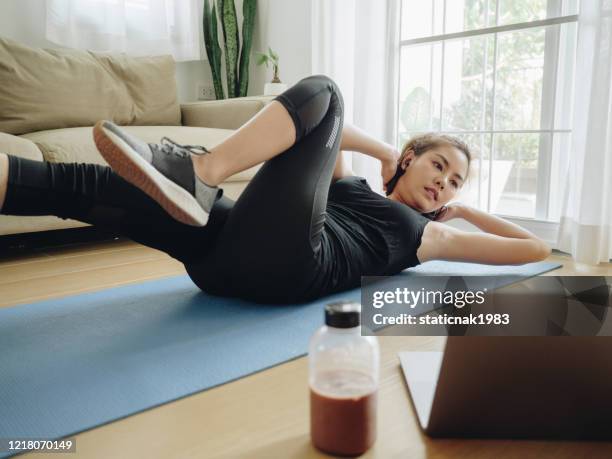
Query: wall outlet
column 205, row 92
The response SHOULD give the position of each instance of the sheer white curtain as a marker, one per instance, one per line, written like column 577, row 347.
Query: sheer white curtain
column 135, row 27
column 586, row 218
column 356, row 43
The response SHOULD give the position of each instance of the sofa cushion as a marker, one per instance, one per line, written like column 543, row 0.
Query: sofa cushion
column 18, row 146
column 13, row 224
column 60, row 88
column 226, row 114
column 77, row 145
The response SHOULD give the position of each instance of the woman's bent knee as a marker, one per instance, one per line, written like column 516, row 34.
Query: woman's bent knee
column 309, row 101
column 332, row 87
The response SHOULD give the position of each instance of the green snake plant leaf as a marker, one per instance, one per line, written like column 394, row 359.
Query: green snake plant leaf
column 248, row 23
column 213, row 50
column 230, row 35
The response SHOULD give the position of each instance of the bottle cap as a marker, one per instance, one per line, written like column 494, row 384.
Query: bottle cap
column 343, row 314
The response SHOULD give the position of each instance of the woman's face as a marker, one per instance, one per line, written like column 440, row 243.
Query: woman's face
column 432, row 179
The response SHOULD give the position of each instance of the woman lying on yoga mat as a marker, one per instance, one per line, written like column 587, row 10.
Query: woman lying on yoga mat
column 304, row 226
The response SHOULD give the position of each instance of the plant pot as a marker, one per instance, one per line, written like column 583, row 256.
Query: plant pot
column 274, row 89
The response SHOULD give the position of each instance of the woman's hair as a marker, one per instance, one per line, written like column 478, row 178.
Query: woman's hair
column 421, row 144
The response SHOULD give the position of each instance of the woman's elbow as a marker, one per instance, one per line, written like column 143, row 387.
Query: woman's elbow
column 531, row 251
column 547, row 250
column 542, row 251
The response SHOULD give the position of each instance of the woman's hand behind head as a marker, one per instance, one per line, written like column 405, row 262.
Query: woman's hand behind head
column 450, row 212
column 389, row 167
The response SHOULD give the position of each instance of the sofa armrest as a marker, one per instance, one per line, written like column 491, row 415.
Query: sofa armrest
column 223, row 114
column 18, row 146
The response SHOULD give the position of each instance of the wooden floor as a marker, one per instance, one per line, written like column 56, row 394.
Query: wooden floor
column 263, row 415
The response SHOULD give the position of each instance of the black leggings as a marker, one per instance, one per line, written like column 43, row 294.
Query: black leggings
column 263, row 247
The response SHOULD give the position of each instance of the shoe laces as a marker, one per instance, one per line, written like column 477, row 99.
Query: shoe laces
column 170, row 147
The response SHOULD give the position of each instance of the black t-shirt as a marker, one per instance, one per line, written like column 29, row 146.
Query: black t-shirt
column 365, row 234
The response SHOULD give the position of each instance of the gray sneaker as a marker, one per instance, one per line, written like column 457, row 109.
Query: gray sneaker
column 164, row 171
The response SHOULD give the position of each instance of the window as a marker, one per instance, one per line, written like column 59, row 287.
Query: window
column 499, row 75
column 135, row 27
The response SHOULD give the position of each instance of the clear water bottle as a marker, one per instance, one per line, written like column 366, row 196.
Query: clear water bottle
column 343, row 380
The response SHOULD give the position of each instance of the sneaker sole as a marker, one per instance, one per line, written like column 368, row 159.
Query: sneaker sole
column 174, row 199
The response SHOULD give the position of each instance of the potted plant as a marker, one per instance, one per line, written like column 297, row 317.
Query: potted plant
column 274, row 87
column 221, row 14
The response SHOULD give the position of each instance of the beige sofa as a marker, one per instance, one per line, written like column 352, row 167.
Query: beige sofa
column 50, row 99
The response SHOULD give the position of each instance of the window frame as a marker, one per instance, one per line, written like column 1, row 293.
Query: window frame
column 549, row 105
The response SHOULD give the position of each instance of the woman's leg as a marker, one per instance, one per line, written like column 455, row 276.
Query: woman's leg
column 94, row 194
column 269, row 246
column 183, row 179
column 270, row 132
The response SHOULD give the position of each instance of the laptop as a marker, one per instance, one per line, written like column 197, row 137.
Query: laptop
column 513, row 387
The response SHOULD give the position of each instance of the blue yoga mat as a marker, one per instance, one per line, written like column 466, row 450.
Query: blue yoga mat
column 74, row 363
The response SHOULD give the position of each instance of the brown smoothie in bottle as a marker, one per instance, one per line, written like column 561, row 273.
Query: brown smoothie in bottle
column 343, row 412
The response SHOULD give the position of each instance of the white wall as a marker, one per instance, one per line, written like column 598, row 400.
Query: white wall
column 286, row 27
column 283, row 25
